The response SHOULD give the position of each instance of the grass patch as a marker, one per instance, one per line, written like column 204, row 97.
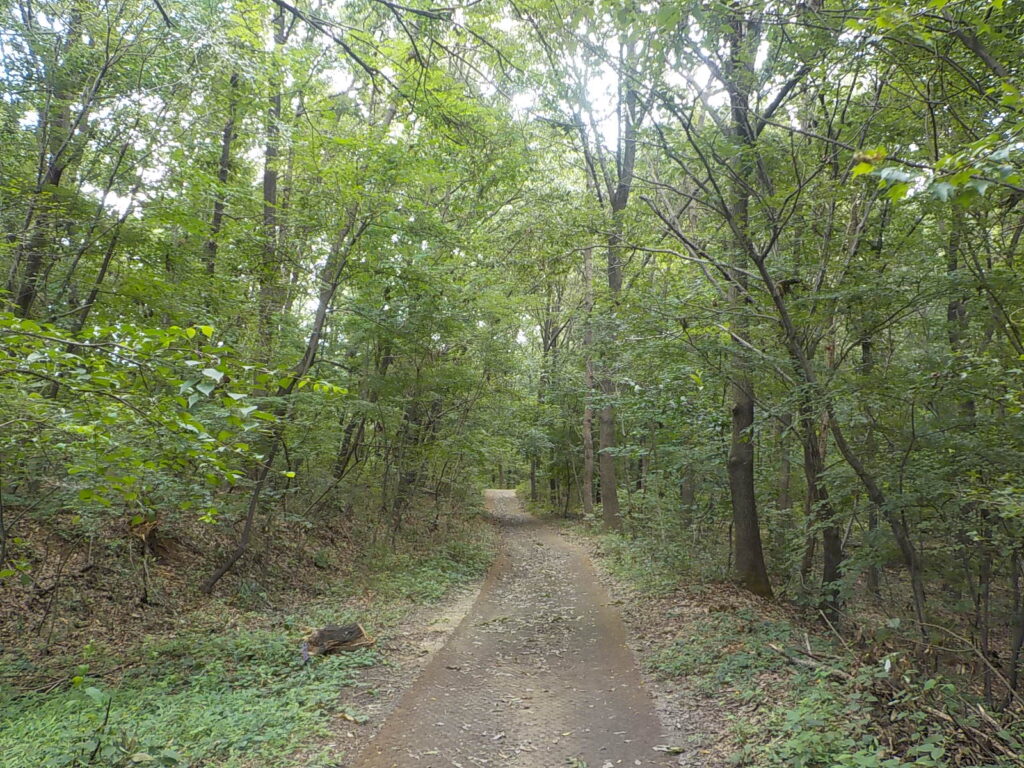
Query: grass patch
column 219, row 700
column 229, row 689
column 422, row 578
column 726, row 650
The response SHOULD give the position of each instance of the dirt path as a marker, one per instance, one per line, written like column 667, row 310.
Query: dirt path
column 536, row 676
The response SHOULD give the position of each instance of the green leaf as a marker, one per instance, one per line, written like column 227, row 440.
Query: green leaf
column 942, row 190
column 980, row 185
column 96, row 695
column 862, row 168
column 898, row 191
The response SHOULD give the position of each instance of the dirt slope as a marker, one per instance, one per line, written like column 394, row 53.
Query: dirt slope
column 536, row 676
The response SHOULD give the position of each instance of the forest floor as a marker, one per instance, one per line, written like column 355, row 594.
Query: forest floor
column 538, row 673
column 192, row 681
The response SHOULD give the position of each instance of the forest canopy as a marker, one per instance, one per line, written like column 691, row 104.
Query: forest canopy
column 738, row 281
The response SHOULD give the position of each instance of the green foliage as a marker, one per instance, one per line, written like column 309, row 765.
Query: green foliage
column 726, row 651
column 423, row 578
column 635, row 561
column 233, row 691
column 341, row 272
column 230, row 698
column 835, row 712
column 823, row 706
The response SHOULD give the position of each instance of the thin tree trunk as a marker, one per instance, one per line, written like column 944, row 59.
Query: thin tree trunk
column 610, row 511
column 223, row 171
column 269, row 277
column 688, row 494
column 329, row 279
column 820, row 509
column 873, row 575
column 587, row 481
column 1017, row 636
column 784, row 499
column 250, row 517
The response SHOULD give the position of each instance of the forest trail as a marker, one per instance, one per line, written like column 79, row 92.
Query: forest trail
column 537, row 675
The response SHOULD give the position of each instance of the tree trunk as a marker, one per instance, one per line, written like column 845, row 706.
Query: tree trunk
column 820, row 509
column 873, row 576
column 619, row 199
column 610, row 513
column 784, row 500
column 1017, row 633
column 223, row 170
column 587, row 480
column 46, row 205
column 269, row 276
column 749, row 556
column 783, row 528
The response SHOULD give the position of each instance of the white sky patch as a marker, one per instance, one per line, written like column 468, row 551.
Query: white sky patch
column 396, row 132
column 341, row 80
column 603, row 95
column 762, row 54
column 507, row 24
column 30, row 119
column 523, row 104
column 111, row 200
column 153, row 175
column 54, row 24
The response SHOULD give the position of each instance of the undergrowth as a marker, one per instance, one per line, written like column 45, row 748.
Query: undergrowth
column 635, row 562
column 229, row 688
column 801, row 698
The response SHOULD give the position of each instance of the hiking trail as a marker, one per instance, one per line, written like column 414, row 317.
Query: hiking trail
column 537, row 674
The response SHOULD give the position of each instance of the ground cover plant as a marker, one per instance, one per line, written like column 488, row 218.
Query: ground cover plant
column 227, row 685
column 795, row 694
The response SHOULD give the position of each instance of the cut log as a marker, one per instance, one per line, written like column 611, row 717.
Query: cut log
column 336, row 638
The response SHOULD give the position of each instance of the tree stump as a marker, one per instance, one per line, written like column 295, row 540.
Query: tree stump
column 335, row 639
